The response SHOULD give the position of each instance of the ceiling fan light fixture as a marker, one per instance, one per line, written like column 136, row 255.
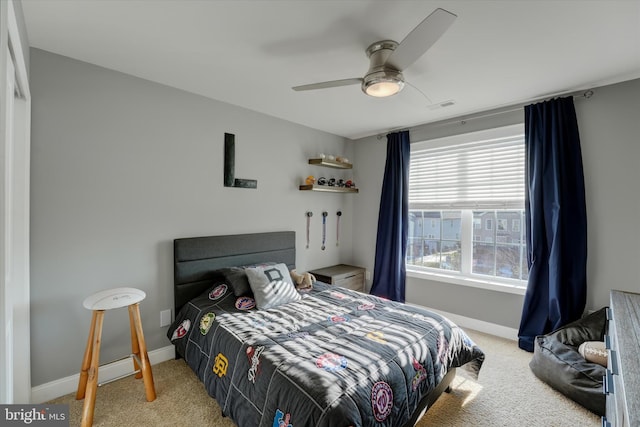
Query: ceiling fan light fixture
column 383, row 84
column 387, row 58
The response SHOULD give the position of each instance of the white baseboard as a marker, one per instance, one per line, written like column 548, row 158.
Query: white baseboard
column 477, row 325
column 60, row 387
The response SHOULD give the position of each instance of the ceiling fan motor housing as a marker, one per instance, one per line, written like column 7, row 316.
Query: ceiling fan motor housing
column 379, row 72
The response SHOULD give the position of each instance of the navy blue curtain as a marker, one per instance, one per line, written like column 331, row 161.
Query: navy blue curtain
column 389, row 273
column 555, row 219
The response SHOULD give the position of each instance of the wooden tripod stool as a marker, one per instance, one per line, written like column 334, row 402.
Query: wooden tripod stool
column 98, row 303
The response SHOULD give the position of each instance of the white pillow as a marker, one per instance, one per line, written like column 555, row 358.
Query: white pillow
column 271, row 285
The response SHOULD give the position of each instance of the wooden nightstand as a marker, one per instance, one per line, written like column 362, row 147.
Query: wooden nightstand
column 346, row 276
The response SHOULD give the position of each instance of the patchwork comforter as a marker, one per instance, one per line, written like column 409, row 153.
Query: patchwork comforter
column 335, row 358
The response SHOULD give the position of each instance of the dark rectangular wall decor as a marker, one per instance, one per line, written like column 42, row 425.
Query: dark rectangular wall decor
column 229, row 159
column 230, row 165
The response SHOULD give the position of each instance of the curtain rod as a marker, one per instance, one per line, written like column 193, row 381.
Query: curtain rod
column 504, row 110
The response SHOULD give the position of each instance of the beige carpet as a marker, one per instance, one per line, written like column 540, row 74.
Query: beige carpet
column 505, row 394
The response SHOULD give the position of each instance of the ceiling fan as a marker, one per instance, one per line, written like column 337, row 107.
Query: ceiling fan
column 388, row 58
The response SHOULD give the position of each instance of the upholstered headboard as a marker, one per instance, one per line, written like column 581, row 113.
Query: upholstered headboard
column 195, row 259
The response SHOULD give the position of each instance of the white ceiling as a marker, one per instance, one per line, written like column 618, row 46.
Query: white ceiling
column 250, row 53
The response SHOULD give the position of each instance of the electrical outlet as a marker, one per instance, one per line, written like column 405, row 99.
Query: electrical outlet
column 367, row 275
column 165, row 318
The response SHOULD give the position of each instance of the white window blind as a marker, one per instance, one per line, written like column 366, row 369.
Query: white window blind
column 480, row 170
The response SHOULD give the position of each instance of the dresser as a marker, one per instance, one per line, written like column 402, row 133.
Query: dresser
column 346, row 276
column 622, row 380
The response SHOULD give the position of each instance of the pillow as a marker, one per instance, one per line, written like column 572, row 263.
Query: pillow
column 237, row 279
column 271, row 285
column 594, row 352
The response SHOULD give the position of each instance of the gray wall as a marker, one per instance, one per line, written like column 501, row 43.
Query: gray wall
column 120, row 167
column 609, row 128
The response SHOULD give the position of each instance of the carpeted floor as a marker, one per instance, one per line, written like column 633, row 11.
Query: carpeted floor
column 505, row 394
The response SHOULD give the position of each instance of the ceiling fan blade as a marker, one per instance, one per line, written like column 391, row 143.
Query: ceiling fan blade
column 326, row 85
column 420, row 39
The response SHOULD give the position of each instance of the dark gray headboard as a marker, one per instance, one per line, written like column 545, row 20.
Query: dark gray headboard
column 196, row 258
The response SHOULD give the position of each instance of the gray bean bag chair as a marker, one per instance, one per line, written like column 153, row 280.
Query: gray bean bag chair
column 556, row 361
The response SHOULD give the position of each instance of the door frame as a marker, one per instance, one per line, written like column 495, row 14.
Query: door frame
column 15, row 149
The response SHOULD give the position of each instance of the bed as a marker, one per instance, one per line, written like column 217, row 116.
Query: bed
column 329, row 357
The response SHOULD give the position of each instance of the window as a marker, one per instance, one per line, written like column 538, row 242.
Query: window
column 466, row 199
column 438, row 244
column 505, row 257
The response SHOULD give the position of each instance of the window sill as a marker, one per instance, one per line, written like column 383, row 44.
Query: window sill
column 467, row 281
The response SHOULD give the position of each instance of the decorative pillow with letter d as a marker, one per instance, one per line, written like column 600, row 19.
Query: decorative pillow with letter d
column 271, row 285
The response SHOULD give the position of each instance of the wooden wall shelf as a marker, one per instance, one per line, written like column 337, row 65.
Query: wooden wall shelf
column 330, row 163
column 328, row 189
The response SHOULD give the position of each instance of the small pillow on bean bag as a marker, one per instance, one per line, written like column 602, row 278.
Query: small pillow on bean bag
column 594, row 351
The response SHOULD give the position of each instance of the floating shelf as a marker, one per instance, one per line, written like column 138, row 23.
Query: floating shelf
column 328, row 189
column 330, row 163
